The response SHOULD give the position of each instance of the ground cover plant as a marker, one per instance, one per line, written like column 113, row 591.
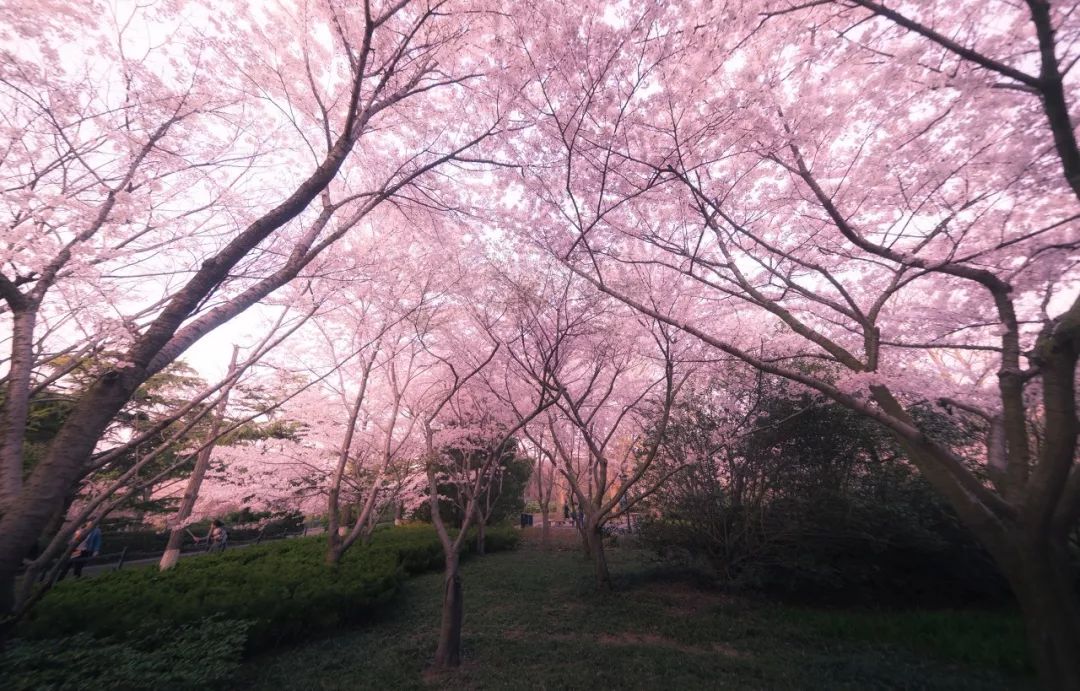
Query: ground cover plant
column 543, row 625
column 200, row 655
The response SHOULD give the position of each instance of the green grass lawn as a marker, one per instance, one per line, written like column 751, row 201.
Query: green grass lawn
column 534, row 621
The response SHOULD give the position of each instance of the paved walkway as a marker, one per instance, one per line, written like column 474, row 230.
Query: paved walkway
column 97, row 569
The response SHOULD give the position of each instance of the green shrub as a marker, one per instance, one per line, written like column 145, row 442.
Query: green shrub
column 501, row 538
column 204, row 654
column 284, row 589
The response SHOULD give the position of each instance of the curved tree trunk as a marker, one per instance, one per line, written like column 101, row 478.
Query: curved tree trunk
column 448, row 654
column 334, row 546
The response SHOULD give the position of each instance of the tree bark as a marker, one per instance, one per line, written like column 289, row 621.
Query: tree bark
column 191, row 494
column 334, row 547
column 481, row 535
column 595, row 541
column 1043, row 581
column 202, row 463
column 16, row 406
column 448, row 654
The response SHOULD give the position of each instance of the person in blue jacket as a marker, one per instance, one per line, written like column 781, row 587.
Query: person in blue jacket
column 87, row 541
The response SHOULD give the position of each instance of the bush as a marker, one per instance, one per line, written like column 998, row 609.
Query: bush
column 837, row 549
column 201, row 655
column 284, row 589
column 499, row 539
column 813, row 503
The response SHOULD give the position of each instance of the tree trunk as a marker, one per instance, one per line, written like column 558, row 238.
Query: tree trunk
column 334, row 546
column 333, row 527
column 1044, row 583
column 160, row 344
column 1034, row 560
column 191, row 494
column 599, row 559
column 545, row 529
column 16, row 406
column 448, row 654
column 480, row 535
column 202, row 463
column 171, row 555
column 56, row 523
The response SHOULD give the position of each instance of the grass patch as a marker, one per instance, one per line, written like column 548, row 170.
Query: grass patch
column 534, row 621
column 981, row 639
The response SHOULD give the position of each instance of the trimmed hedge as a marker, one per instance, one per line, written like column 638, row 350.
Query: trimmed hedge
column 284, row 589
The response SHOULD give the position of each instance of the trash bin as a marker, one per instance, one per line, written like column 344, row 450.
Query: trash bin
column 526, row 520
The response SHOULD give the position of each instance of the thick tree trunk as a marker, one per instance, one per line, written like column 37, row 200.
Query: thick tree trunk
column 1044, row 582
column 599, row 558
column 545, row 529
column 448, row 654
column 54, row 477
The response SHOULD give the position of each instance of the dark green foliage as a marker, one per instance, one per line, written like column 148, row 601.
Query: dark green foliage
column 813, row 502
column 514, row 476
column 48, row 411
column 507, row 487
column 201, row 655
column 284, row 589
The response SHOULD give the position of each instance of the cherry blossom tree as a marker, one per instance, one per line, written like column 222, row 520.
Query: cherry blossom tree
column 545, row 472
column 614, row 393
column 218, row 424
column 619, row 405
column 377, row 436
column 458, row 413
column 861, row 186
column 136, row 160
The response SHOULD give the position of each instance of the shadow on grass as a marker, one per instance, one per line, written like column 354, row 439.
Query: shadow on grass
column 534, row 620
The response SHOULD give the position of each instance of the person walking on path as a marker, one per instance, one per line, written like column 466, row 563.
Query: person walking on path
column 217, row 538
column 87, row 541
